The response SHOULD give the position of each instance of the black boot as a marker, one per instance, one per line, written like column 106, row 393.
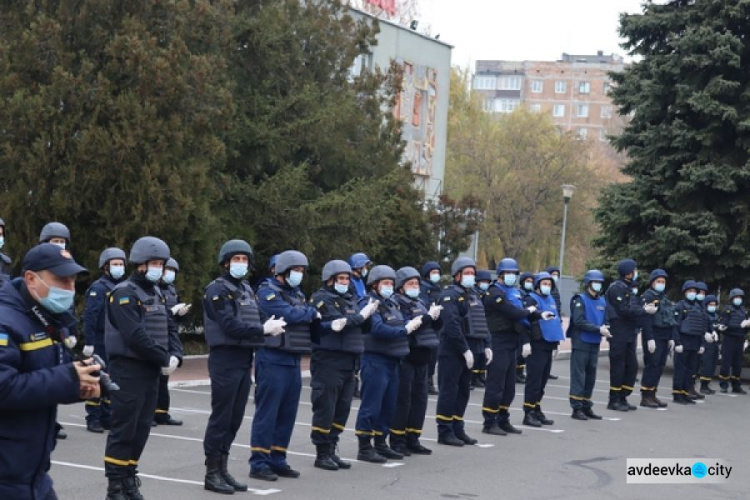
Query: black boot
column 530, row 419
column 412, row 442
column 694, row 395
column 590, row 414
column 494, row 429
column 542, row 417
column 116, row 489
column 382, row 448
column 214, row 480
column 508, row 427
column 579, row 415
column 615, row 403
column 94, row 426
column 132, row 486
column 450, row 439
column 659, row 402
column 227, row 477
column 367, row 453
column 461, row 434
column 323, row 459
column 520, row 376
column 398, row 444
column 343, row 464
column 705, row 388
column 737, row 389
column 648, row 400
column 627, row 405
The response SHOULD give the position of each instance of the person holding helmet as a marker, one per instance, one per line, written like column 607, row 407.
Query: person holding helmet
column 734, row 324
column 545, row 334
column 588, row 324
column 336, row 346
column 625, row 311
column 178, row 310
column 277, row 368
column 360, row 264
column 711, row 354
column 411, row 404
column 386, row 343
column 234, row 327
column 503, row 309
column 693, row 328
column 5, row 263
column 462, row 317
column 112, row 265
column 430, row 294
column 142, row 342
column 659, row 333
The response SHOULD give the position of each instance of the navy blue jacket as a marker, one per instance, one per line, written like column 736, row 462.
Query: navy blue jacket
column 95, row 312
column 35, row 376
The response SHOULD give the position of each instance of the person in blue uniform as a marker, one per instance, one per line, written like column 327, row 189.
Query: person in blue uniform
column 36, row 373
column 6, row 264
column 360, row 264
column 588, row 324
column 625, row 312
column 503, row 309
column 234, row 326
column 142, row 342
column 386, row 344
column 545, row 334
column 336, row 347
column 478, row 346
column 659, row 333
column 112, row 264
column 734, row 324
column 693, row 326
column 525, row 287
column 711, row 355
column 277, row 368
column 411, row 405
column 430, row 291
column 462, row 317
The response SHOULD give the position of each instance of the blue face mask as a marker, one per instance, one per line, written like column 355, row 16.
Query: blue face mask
column 690, row 296
column 117, row 272
column 2, row 241
column 737, row 302
column 237, row 269
column 435, row 278
column 153, row 274
column 509, row 279
column 295, row 278
column 412, row 292
column 528, row 286
column 386, row 292
column 660, row 287
column 169, row 276
column 596, row 286
column 484, row 286
column 341, row 288
column 57, row 300
column 468, row 281
column 700, row 297
column 545, row 289
column 711, row 309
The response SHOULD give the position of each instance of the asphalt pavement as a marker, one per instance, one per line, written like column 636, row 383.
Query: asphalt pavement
column 568, row 460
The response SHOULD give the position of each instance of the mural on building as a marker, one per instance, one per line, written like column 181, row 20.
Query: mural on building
column 416, row 107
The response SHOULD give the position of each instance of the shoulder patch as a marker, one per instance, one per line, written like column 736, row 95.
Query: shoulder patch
column 92, row 294
column 3, row 339
column 124, row 301
column 446, row 299
column 271, row 297
column 579, row 304
column 215, row 298
column 320, row 304
column 460, row 299
column 498, row 300
column 619, row 299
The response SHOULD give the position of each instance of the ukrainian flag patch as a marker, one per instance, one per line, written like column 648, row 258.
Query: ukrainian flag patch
column 124, row 301
column 3, row 339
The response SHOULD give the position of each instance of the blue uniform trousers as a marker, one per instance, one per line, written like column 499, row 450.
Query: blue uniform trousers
column 454, row 380
column 685, row 364
column 380, row 381
column 731, row 360
column 500, row 387
column 653, row 364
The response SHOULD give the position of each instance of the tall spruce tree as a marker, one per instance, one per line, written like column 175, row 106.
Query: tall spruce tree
column 686, row 207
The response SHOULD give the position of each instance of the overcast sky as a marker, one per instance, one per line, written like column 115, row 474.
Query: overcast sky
column 526, row 29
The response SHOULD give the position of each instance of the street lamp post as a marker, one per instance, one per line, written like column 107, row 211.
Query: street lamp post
column 567, row 195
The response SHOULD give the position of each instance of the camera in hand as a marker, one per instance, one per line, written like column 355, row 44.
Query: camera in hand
column 104, row 378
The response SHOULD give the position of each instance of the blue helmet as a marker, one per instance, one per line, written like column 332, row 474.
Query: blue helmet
column 625, row 267
column 688, row 284
column 428, row 267
column 461, row 263
column 553, row 269
column 483, row 275
column 173, row 264
column 701, row 286
column 657, row 273
column 359, row 260
column 524, row 276
column 736, row 292
column 544, row 275
column 508, row 265
column 272, row 262
column 593, row 275
column 711, row 298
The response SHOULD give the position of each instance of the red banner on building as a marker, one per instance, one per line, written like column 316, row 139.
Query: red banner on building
column 389, row 6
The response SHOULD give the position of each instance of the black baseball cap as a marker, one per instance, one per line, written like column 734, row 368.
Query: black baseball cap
column 52, row 258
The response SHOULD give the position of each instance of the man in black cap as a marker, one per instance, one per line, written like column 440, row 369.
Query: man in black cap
column 36, row 372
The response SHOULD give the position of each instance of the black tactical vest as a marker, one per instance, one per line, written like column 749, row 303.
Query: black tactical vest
column 425, row 335
column 246, row 306
column 351, row 339
column 476, row 321
column 154, row 321
column 296, row 336
column 394, row 347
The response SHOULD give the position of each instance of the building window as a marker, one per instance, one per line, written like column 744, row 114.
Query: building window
column 362, row 63
column 606, row 87
column 535, row 108
column 583, row 133
column 505, row 105
column 584, row 87
column 537, row 86
column 485, row 82
column 602, row 135
column 606, row 111
column 558, row 110
column 561, row 87
column 582, row 111
column 510, row 83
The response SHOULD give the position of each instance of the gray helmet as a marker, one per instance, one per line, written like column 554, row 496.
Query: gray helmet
column 173, row 264
column 288, row 259
column 334, row 267
column 54, row 230
column 2, row 223
column 460, row 263
column 148, row 248
column 109, row 254
column 405, row 274
column 235, row 247
column 381, row 272
column 736, row 292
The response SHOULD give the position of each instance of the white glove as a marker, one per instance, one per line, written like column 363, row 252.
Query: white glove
column 181, row 309
column 469, row 357
column 488, row 355
column 651, row 345
column 670, row 344
column 173, row 362
column 434, row 311
column 273, row 326
column 370, row 308
column 678, row 349
column 745, row 323
column 701, row 350
column 722, row 328
column 604, row 331
column 413, row 324
column 338, row 324
column 526, row 350
column 547, row 315
column 531, row 309
column 555, row 353
column 650, row 308
column 715, row 336
column 70, row 341
column 88, row 350
column 744, row 346
column 709, row 338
